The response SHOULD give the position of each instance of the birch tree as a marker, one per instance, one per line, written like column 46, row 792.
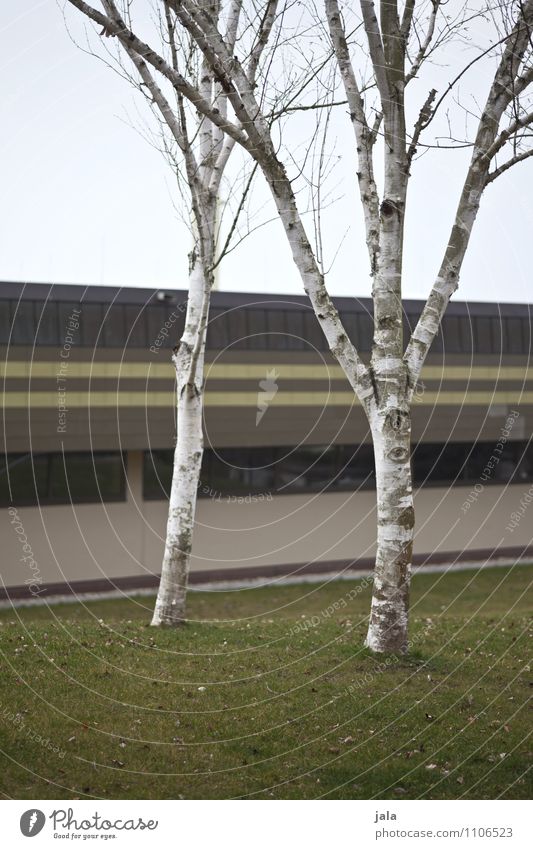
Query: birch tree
column 203, row 152
column 395, row 44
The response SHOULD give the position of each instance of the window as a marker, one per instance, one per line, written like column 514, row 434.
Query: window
column 365, row 331
column 238, row 328
column 256, row 330
column 113, row 333
column 82, row 477
column 452, row 337
column 482, row 335
column 514, row 336
column 48, row 323
column 77, row 478
column 312, row 334
column 357, row 470
column 217, row 330
column 23, row 478
column 295, row 330
column 438, row 464
column 91, row 324
column 5, row 322
column 498, row 335
column 254, row 327
column 238, row 470
column 24, row 325
column 157, row 475
column 278, row 328
column 67, row 323
column 315, row 468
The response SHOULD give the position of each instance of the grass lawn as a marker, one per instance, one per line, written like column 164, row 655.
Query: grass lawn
column 267, row 694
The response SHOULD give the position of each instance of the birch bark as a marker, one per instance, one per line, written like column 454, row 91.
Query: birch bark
column 188, row 359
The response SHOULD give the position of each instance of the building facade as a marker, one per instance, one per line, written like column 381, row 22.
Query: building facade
column 287, row 480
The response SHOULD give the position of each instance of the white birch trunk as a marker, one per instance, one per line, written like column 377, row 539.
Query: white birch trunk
column 387, row 630
column 170, row 605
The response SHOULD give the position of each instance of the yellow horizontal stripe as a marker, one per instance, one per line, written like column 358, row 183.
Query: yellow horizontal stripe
column 241, row 371
column 249, row 399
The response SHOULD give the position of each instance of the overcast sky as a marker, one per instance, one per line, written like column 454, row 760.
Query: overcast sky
column 85, row 199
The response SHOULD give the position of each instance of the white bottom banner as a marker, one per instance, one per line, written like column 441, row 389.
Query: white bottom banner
column 263, row 825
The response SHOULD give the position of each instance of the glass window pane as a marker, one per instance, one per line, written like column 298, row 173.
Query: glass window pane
column 114, row 326
column 482, row 335
column 217, row 330
column 357, row 469
column 435, row 464
column 498, row 335
column 238, row 328
column 258, row 328
column 349, row 320
column 91, row 324
column 515, row 340
column 157, row 474
column 451, row 334
column 67, row 324
column 82, row 477
column 48, row 323
column 278, row 339
column 308, row 468
column 27, row 476
column 313, row 334
column 24, row 324
column 365, row 330
column 135, row 318
column 5, row 321
column 295, row 330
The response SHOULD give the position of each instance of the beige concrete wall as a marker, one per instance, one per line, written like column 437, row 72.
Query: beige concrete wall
column 112, row 540
column 297, row 528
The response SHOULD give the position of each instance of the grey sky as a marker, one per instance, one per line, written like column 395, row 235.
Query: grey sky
column 85, row 199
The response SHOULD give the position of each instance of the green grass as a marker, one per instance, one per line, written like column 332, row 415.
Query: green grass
column 248, row 700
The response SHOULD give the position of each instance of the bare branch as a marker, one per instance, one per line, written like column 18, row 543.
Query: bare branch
column 516, row 125
column 375, row 46
column 265, row 28
column 428, row 38
column 127, row 38
column 520, row 157
column 501, row 93
column 365, row 137
column 425, row 112
column 407, row 19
